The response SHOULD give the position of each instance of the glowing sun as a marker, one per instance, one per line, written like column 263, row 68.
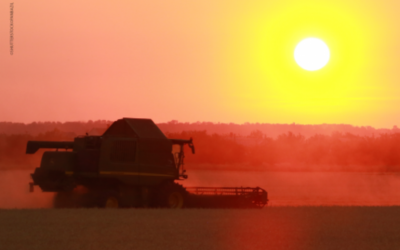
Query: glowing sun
column 311, row 54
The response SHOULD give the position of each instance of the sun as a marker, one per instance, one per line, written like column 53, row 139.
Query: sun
column 311, row 54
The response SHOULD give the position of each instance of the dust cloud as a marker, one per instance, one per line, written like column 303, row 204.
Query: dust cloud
column 14, row 191
column 309, row 188
column 284, row 188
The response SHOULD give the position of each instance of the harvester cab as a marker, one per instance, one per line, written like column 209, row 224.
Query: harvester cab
column 179, row 155
column 133, row 164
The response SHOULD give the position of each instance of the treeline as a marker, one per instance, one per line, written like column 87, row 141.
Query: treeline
column 256, row 151
column 291, row 152
column 36, row 128
column 13, row 147
column 271, row 130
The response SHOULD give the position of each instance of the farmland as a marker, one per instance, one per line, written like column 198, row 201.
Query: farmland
column 307, row 210
column 270, row 228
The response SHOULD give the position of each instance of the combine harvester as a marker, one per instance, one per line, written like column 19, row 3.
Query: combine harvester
column 132, row 164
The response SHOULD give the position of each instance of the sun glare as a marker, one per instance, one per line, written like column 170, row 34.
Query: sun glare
column 311, row 54
column 298, row 63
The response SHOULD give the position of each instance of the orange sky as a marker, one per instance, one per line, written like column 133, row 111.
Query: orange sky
column 230, row 61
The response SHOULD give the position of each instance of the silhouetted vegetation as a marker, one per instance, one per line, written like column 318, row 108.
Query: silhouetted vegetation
column 271, row 130
column 12, row 148
column 35, row 128
column 287, row 151
column 338, row 152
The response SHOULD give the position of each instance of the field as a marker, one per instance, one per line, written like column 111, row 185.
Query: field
column 271, row 228
column 307, row 210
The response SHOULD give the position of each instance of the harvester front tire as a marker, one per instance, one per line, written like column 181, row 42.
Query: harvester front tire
column 79, row 197
column 110, row 200
column 64, row 200
column 173, row 196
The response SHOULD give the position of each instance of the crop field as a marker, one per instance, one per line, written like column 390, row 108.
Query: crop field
column 270, row 228
column 306, row 211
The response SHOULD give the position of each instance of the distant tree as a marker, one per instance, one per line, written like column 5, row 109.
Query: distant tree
column 256, row 134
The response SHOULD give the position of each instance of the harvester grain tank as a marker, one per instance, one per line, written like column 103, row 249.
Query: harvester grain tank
column 133, row 164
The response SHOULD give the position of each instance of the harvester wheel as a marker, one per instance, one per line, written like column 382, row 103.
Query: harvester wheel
column 259, row 204
column 175, row 200
column 79, row 197
column 172, row 196
column 111, row 202
column 64, row 200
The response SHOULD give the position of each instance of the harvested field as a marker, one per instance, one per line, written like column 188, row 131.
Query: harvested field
column 271, row 228
column 307, row 211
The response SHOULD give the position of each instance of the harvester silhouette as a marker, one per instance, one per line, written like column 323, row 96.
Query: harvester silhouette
column 133, row 164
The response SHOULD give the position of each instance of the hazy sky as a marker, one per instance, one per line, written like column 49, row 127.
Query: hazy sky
column 218, row 61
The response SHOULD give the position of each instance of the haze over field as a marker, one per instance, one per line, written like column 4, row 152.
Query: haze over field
column 296, row 98
column 225, row 70
column 284, row 188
